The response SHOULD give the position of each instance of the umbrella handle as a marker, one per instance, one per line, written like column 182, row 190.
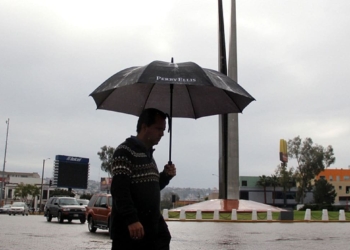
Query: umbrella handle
column 170, row 121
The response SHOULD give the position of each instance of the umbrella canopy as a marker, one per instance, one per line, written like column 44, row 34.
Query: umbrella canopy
column 179, row 89
column 196, row 92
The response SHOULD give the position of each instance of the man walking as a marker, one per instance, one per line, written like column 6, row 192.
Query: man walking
column 137, row 222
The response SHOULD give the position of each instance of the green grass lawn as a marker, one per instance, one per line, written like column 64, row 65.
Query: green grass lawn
column 298, row 216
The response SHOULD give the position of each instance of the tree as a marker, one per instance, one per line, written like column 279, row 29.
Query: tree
column 324, row 192
column 61, row 192
column 264, row 182
column 286, row 179
column 311, row 159
column 274, row 182
column 86, row 196
column 23, row 191
column 106, row 156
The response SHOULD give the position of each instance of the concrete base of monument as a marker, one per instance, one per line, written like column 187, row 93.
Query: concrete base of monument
column 224, row 205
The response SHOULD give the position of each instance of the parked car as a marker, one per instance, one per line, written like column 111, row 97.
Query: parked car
column 83, row 202
column 4, row 209
column 64, row 208
column 19, row 208
column 98, row 212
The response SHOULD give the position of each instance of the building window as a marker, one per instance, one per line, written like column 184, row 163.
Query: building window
column 330, row 178
column 338, row 178
column 346, row 178
column 347, row 189
column 344, row 198
column 244, row 183
column 9, row 193
column 340, row 187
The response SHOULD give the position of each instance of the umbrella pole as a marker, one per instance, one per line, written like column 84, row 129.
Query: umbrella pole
column 171, row 121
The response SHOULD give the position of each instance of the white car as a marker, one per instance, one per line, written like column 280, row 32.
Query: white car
column 19, row 208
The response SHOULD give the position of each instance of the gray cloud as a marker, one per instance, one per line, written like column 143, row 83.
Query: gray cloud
column 292, row 57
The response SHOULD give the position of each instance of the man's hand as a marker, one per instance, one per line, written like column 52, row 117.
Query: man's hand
column 136, row 231
column 170, row 170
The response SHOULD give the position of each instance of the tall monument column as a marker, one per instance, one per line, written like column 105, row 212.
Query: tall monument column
column 228, row 124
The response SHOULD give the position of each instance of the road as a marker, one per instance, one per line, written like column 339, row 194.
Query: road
column 33, row 232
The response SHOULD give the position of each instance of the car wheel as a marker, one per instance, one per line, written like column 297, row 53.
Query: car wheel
column 23, row 214
column 82, row 221
column 9, row 214
column 69, row 220
column 59, row 217
column 48, row 216
column 91, row 226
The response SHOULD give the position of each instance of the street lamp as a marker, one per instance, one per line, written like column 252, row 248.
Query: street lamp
column 42, row 182
column 3, row 168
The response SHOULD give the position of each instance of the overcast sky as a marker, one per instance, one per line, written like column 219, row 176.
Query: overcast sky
column 293, row 58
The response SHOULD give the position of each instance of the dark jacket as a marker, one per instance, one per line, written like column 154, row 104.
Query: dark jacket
column 135, row 188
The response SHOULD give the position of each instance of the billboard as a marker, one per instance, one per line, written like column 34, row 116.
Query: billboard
column 71, row 172
column 105, row 184
column 283, row 151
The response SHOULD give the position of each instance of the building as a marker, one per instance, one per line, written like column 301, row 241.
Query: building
column 340, row 179
column 11, row 181
column 249, row 190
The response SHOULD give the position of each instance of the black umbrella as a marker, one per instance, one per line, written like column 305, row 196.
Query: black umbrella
column 179, row 89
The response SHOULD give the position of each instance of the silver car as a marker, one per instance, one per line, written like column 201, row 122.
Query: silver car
column 83, row 202
column 19, row 208
column 5, row 209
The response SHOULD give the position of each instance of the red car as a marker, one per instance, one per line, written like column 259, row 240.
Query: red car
column 98, row 212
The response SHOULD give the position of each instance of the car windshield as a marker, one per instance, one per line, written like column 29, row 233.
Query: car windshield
column 84, row 202
column 68, row 202
column 18, row 204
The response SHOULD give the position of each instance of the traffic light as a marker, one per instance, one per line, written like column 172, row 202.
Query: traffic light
column 50, row 183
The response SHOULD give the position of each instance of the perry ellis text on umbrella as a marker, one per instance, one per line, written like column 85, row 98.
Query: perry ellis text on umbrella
column 166, row 79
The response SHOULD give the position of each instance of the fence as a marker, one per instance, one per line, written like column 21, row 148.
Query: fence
column 254, row 216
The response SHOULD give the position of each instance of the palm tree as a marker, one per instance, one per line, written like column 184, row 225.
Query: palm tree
column 274, row 182
column 264, row 182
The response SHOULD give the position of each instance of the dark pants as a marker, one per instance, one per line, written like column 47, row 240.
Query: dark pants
column 158, row 241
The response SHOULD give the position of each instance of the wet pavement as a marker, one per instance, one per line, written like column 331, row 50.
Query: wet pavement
column 33, row 232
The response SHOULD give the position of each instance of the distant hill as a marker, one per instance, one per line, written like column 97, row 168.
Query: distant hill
column 193, row 194
column 187, row 193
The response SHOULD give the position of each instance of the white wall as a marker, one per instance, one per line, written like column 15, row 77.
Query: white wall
column 31, row 181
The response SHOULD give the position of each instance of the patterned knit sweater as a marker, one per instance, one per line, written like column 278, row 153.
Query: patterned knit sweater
column 136, row 184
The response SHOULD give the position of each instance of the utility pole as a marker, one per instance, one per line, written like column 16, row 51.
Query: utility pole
column 3, row 168
column 42, row 182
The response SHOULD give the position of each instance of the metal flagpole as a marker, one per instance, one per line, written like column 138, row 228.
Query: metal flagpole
column 3, row 168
